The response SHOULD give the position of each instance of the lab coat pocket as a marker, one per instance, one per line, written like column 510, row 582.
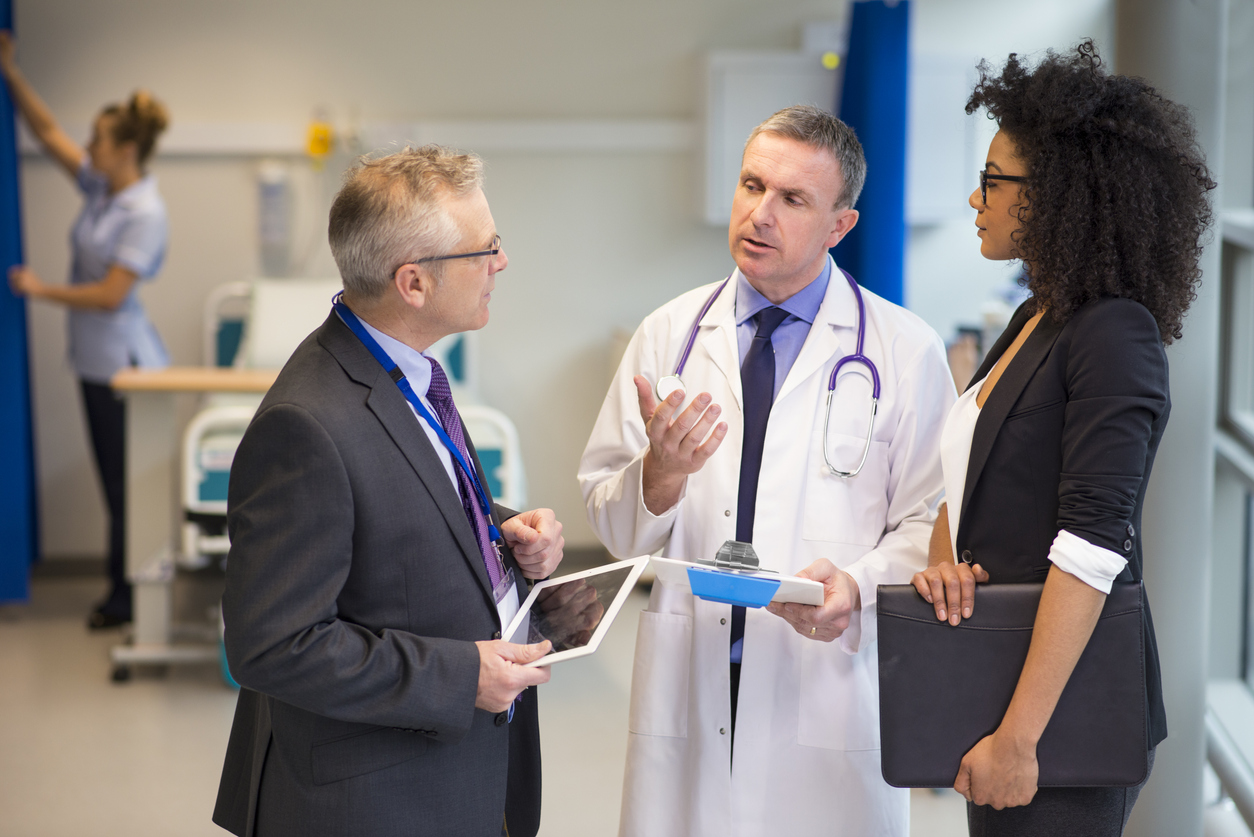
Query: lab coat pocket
column 852, row 510
column 659, row 678
column 839, row 700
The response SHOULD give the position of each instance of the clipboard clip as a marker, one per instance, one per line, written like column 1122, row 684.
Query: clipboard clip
column 735, row 556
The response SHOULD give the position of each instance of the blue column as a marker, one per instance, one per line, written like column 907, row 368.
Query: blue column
column 873, row 103
column 18, row 516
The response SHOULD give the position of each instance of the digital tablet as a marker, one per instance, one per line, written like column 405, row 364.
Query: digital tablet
column 574, row 612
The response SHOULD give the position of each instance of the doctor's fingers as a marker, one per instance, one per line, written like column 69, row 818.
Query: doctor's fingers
column 699, row 431
column 644, row 395
column 670, row 432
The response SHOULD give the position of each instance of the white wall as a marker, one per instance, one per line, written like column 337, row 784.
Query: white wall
column 596, row 240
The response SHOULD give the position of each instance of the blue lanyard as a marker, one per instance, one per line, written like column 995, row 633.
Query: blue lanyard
column 372, row 345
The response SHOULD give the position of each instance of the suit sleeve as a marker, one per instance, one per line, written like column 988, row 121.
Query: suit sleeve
column 291, row 524
column 1116, row 392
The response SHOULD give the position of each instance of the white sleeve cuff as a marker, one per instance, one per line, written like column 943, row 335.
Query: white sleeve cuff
column 1094, row 565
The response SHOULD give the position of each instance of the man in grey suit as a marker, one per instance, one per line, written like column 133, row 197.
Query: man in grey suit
column 370, row 576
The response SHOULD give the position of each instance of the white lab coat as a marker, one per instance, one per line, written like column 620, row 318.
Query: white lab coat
column 807, row 734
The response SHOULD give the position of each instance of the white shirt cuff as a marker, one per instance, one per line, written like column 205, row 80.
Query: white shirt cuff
column 1094, row 565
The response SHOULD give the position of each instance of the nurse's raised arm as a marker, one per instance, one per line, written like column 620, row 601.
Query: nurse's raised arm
column 678, row 445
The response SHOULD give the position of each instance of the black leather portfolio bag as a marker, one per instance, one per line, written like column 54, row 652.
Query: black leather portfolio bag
column 943, row 688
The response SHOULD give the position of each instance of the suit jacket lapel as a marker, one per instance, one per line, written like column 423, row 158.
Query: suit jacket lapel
column 398, row 419
column 1003, row 397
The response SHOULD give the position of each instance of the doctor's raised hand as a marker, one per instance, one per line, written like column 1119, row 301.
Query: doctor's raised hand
column 678, row 445
column 825, row 622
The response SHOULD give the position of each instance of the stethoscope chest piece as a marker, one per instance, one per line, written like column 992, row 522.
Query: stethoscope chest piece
column 667, row 385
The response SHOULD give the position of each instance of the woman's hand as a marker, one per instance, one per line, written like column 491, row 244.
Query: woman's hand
column 829, row 620
column 950, row 588
column 23, row 281
column 1000, row 771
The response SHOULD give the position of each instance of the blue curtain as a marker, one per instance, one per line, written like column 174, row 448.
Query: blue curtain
column 873, row 103
column 18, row 514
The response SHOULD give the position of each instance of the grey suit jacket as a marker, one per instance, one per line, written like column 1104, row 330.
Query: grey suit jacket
column 355, row 592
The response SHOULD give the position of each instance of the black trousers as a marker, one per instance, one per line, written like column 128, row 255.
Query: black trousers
column 1075, row 812
column 106, row 421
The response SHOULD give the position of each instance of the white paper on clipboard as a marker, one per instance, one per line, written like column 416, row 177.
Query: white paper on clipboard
column 674, row 573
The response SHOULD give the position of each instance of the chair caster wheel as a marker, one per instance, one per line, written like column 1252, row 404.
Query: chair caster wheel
column 121, row 674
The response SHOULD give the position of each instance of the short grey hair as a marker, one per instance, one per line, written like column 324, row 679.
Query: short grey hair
column 390, row 211
column 819, row 129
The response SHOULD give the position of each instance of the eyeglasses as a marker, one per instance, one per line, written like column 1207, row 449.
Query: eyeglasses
column 985, row 177
column 492, row 251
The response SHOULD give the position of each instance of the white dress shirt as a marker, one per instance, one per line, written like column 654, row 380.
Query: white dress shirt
column 1094, row 565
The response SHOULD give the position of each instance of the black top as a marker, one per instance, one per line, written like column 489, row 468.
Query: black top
column 1066, row 440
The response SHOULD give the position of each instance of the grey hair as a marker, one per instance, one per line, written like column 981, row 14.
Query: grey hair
column 390, row 211
column 817, row 128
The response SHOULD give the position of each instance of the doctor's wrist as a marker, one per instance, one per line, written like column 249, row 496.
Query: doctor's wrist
column 660, row 490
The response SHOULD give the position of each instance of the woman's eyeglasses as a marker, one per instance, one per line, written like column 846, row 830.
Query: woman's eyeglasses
column 985, row 177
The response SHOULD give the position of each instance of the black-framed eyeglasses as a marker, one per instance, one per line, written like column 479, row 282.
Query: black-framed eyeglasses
column 491, row 251
column 985, row 177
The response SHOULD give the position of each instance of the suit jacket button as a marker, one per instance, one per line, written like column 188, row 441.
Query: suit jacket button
column 501, row 719
column 496, row 635
column 1131, row 531
column 967, row 557
column 1127, row 546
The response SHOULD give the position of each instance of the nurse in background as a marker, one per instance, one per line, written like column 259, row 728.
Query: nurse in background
column 119, row 238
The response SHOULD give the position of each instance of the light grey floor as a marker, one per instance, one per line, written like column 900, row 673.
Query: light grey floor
column 82, row 756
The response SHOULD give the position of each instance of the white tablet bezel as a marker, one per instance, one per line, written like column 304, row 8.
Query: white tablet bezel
column 620, row 598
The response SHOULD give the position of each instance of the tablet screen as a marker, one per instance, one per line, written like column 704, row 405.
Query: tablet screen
column 567, row 613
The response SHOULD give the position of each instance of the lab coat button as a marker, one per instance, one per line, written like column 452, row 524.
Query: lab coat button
column 723, row 621
column 1127, row 546
column 967, row 557
column 726, row 512
column 722, row 730
column 501, row 719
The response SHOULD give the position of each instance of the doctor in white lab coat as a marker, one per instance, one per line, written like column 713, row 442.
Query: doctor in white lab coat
column 806, row 736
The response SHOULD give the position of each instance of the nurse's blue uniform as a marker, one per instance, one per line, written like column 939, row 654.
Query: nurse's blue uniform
column 129, row 229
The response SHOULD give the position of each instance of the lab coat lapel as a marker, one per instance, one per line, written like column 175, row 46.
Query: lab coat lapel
column 396, row 416
column 838, row 309
column 1004, row 396
column 718, row 337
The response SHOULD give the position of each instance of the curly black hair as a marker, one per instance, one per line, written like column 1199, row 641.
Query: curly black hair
column 1116, row 198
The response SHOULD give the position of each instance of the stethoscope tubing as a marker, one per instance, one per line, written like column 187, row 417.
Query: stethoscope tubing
column 857, row 357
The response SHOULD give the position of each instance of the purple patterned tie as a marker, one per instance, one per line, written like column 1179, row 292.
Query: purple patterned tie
column 441, row 398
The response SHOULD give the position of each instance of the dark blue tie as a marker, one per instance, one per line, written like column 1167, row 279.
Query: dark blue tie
column 757, row 387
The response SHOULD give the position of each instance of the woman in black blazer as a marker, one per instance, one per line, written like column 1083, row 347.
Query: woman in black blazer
column 1096, row 183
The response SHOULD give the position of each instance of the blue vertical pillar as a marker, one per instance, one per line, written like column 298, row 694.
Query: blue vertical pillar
column 18, row 517
column 873, row 103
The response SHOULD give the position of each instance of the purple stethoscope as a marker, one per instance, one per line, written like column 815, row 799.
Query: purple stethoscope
column 670, row 383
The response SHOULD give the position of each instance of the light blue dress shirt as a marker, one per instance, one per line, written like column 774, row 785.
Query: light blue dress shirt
column 790, row 336
column 129, row 229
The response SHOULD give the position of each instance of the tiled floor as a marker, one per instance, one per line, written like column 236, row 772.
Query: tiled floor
column 82, row 756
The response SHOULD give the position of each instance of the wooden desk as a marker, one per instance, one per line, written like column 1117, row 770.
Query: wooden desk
column 153, row 501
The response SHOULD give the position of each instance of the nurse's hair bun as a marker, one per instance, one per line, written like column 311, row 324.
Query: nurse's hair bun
column 141, row 120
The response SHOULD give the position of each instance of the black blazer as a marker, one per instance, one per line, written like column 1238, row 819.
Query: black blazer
column 355, row 592
column 1066, row 440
